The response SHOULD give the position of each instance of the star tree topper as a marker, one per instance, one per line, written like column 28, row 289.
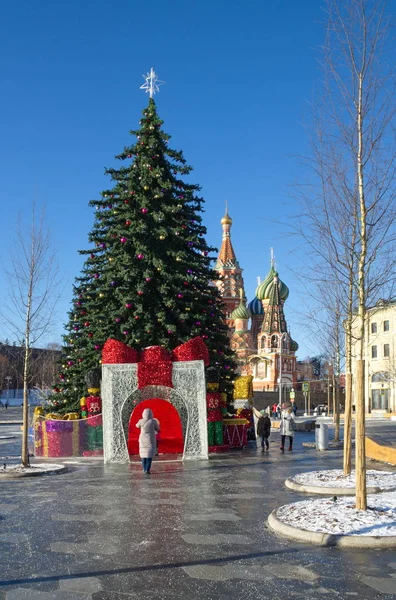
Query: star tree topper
column 152, row 83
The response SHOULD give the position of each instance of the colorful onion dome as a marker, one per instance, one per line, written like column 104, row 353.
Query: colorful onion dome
column 255, row 307
column 240, row 312
column 263, row 291
column 293, row 345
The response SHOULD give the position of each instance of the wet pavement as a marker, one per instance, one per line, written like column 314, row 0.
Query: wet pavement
column 190, row 531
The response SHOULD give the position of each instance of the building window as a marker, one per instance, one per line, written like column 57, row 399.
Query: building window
column 373, row 351
column 386, row 350
column 373, row 327
column 380, row 377
column 386, row 325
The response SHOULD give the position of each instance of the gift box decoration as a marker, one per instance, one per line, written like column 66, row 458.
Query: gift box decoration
column 115, row 352
column 56, row 438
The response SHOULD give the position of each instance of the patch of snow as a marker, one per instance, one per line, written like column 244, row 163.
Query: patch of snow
column 37, row 468
column 384, row 480
column 340, row 517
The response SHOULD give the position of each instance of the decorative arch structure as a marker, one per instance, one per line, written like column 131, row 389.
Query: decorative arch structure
column 120, row 395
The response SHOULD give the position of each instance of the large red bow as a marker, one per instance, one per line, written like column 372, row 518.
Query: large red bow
column 155, row 362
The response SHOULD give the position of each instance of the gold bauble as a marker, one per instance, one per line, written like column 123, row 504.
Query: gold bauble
column 146, row 187
column 101, row 295
column 178, row 258
column 161, row 237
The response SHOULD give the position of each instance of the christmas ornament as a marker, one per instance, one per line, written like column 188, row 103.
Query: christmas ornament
column 123, row 240
column 96, row 275
column 140, row 256
column 128, row 305
column 128, row 223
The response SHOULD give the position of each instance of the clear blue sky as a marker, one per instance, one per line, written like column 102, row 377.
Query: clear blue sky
column 239, row 76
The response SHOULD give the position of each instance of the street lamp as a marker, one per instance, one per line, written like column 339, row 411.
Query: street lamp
column 8, row 380
column 280, row 367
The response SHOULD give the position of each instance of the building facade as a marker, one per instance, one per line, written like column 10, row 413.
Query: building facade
column 258, row 331
column 379, row 356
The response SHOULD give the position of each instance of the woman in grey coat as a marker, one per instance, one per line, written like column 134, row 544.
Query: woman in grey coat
column 287, row 428
column 147, row 443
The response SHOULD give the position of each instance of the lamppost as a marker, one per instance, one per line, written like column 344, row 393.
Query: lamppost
column 8, row 380
column 280, row 367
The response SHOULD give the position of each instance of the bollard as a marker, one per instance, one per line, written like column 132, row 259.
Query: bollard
column 322, row 436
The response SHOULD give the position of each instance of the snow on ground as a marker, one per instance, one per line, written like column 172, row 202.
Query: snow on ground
column 335, row 478
column 339, row 517
column 37, row 468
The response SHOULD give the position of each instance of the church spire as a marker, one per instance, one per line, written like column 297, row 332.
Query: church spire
column 227, row 266
column 226, row 256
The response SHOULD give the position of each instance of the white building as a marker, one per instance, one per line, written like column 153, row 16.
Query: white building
column 379, row 356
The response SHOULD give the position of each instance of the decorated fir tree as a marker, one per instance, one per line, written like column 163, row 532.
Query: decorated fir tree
column 147, row 280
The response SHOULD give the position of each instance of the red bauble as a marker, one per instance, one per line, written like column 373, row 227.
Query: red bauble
column 90, row 334
column 86, row 324
column 128, row 223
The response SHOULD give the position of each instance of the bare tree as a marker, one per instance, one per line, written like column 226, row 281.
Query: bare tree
column 33, row 281
column 350, row 205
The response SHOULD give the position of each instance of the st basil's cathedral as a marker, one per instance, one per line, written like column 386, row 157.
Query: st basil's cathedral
column 266, row 349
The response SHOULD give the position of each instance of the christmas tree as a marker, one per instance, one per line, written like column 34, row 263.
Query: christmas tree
column 147, row 279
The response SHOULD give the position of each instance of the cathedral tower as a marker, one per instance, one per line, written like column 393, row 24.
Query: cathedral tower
column 228, row 268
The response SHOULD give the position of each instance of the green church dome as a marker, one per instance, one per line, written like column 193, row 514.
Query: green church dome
column 240, row 312
column 263, row 291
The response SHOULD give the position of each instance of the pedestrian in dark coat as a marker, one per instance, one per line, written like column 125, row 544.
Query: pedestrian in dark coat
column 264, row 429
column 147, row 443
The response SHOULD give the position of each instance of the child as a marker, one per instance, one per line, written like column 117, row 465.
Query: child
column 264, row 429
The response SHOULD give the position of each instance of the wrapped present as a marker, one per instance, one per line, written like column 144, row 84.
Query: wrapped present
column 243, row 387
column 56, row 438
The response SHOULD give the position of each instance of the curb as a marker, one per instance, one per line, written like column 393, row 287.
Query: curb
column 328, row 539
column 331, row 491
column 55, row 470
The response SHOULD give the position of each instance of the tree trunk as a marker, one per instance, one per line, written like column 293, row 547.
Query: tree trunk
column 348, row 425
column 25, row 411
column 360, row 462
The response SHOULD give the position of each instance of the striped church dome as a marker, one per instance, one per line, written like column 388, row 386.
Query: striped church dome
column 255, row 307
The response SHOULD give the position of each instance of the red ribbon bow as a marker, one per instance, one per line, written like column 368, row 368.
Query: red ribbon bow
column 155, row 362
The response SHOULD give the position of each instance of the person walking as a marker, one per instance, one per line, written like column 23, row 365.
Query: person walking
column 278, row 411
column 264, row 429
column 147, row 443
column 287, row 428
column 274, row 410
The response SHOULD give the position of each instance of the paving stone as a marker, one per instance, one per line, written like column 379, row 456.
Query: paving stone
column 384, row 585
column 30, row 594
column 209, row 572
column 217, row 540
column 81, row 584
column 104, row 547
column 218, row 516
column 14, row 538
